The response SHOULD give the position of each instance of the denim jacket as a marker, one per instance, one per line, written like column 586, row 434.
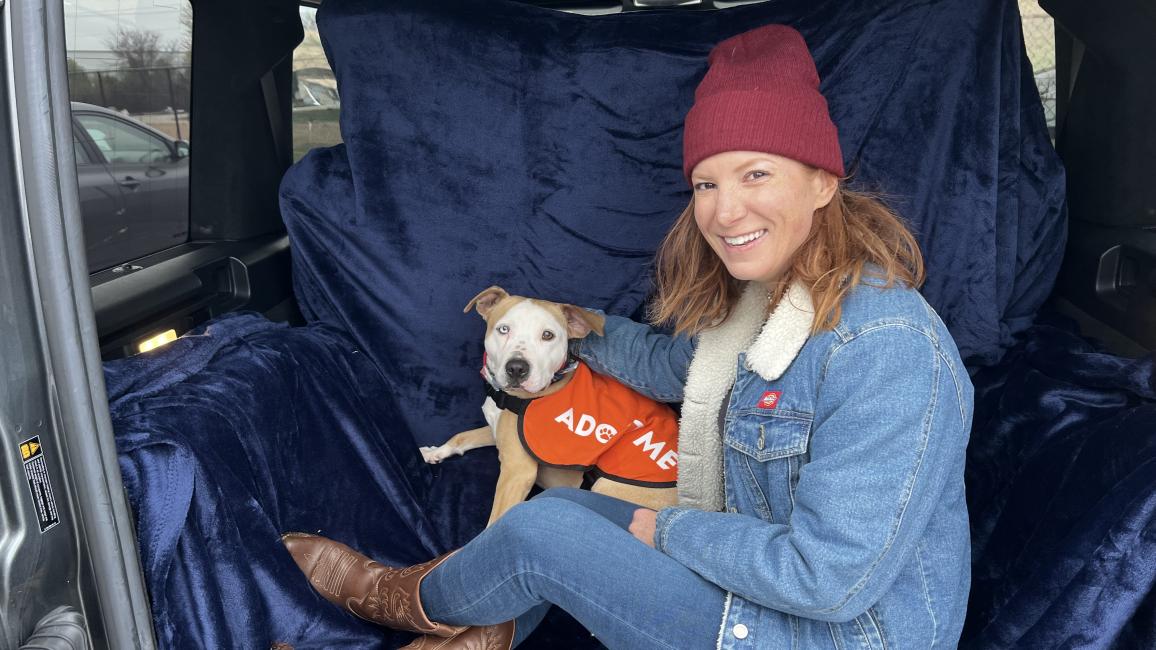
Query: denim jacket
column 841, row 520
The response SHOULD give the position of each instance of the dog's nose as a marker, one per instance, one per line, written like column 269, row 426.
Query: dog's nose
column 517, row 369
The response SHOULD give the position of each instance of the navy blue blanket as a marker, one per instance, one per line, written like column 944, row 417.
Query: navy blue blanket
column 1061, row 488
column 243, row 430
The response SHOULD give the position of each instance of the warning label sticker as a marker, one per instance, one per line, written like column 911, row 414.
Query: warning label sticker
column 36, row 471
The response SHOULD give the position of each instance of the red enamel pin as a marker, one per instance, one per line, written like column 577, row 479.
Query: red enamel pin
column 770, row 399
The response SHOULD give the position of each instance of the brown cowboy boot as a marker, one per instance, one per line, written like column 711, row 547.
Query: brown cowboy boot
column 372, row 591
column 480, row 637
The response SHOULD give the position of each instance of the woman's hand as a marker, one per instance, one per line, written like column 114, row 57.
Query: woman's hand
column 643, row 524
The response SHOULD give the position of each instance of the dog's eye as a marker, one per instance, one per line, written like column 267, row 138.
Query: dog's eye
column 503, row 329
column 547, row 335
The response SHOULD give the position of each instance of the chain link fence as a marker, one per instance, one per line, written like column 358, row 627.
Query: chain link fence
column 1040, row 40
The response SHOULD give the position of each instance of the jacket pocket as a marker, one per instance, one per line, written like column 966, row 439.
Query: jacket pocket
column 765, row 453
column 766, row 437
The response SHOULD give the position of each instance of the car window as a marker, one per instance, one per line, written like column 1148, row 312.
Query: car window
column 315, row 99
column 129, row 73
column 79, row 151
column 121, row 143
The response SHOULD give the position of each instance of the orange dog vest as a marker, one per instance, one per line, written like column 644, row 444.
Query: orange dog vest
column 595, row 423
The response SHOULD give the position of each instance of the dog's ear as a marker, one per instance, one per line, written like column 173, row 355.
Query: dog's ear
column 580, row 322
column 486, row 300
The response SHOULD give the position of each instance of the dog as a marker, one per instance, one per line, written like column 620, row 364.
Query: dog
column 553, row 419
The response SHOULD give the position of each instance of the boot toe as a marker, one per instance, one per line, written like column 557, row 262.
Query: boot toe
column 304, row 549
column 328, row 564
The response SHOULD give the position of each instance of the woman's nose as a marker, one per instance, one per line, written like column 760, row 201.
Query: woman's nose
column 729, row 207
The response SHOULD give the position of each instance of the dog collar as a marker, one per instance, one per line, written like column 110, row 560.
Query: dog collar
column 508, row 402
column 568, row 367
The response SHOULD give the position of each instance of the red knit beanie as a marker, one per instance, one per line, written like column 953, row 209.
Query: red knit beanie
column 761, row 93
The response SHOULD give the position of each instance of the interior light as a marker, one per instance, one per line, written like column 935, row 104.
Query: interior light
column 157, row 341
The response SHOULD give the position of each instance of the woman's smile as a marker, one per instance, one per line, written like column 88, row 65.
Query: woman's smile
column 744, row 242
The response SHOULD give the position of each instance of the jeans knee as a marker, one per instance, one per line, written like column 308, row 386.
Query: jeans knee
column 539, row 523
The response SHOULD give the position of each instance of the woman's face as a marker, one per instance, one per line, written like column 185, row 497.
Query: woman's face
column 755, row 210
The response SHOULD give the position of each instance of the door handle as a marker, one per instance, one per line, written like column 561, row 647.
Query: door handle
column 129, row 183
column 1125, row 272
column 228, row 282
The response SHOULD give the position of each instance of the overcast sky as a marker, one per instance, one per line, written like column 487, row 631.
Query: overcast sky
column 89, row 24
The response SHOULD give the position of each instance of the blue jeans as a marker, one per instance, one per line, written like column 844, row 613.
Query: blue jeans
column 572, row 548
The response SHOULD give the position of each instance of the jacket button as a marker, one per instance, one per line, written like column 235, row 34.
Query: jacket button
column 740, row 631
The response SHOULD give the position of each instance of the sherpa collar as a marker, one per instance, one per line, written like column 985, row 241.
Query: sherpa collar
column 771, row 343
column 784, row 333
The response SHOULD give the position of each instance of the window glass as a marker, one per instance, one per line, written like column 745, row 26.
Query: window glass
column 122, row 143
column 78, row 150
column 1040, row 40
column 129, row 73
column 315, row 100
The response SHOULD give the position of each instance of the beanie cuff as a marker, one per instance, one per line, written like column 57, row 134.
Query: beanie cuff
column 792, row 122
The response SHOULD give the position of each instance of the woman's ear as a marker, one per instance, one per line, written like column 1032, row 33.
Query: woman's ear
column 825, row 185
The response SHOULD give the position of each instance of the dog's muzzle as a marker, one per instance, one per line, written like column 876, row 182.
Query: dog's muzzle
column 517, row 370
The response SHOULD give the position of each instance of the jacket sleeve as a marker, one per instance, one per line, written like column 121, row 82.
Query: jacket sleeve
column 889, row 433
column 649, row 361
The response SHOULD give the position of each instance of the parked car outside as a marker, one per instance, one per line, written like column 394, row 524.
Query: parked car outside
column 134, row 186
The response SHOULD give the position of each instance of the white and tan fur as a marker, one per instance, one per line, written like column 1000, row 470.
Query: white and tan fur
column 526, row 342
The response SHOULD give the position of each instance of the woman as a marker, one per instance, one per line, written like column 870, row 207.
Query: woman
column 825, row 416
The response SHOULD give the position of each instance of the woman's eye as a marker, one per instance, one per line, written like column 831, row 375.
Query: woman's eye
column 503, row 329
column 700, row 187
column 547, row 335
column 756, row 174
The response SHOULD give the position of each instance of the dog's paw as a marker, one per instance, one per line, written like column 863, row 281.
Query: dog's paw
column 435, row 455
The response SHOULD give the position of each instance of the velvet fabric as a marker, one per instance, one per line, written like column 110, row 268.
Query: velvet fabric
column 245, row 429
column 488, row 142
column 1061, row 480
